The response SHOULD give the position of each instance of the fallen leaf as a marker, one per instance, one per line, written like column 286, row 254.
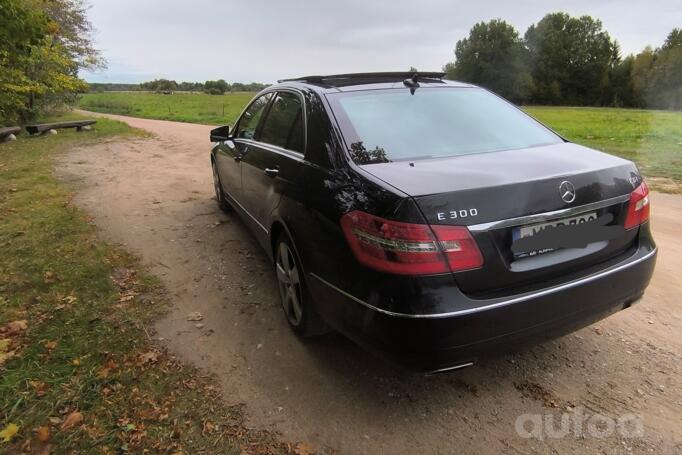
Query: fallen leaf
column 148, row 357
column 103, row 373
column 9, row 432
column 48, row 277
column 5, row 352
column 76, row 361
column 50, row 344
column 15, row 327
column 195, row 316
column 39, row 387
column 304, row 448
column 54, row 420
column 72, row 420
column 43, row 434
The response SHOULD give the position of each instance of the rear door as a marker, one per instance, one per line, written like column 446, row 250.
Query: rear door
column 231, row 152
column 272, row 162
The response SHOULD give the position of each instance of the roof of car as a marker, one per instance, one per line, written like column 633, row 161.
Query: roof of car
column 365, row 81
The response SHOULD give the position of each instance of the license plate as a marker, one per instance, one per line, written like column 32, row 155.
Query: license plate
column 531, row 230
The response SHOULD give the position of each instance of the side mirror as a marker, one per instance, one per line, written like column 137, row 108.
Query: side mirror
column 220, row 134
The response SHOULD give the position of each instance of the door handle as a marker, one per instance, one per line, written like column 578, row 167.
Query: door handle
column 271, row 172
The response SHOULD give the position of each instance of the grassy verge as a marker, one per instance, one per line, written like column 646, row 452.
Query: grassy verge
column 180, row 107
column 652, row 139
column 78, row 371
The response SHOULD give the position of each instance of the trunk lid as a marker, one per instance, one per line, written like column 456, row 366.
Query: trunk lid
column 521, row 188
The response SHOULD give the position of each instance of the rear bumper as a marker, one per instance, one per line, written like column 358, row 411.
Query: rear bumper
column 476, row 328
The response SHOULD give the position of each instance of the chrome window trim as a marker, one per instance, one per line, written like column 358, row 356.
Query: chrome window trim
column 522, row 298
column 273, row 148
column 530, row 219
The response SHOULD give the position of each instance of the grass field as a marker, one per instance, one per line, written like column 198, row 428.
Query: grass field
column 79, row 372
column 179, row 107
column 652, row 139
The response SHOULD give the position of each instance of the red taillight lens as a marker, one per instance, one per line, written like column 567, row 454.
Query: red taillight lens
column 638, row 208
column 409, row 249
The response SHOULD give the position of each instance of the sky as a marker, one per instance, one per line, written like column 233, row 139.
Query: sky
column 262, row 41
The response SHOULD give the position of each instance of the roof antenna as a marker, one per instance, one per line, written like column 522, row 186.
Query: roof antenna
column 412, row 83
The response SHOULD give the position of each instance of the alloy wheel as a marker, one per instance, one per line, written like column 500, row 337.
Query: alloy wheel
column 289, row 284
column 216, row 184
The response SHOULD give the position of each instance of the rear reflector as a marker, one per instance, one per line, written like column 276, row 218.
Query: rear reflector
column 639, row 207
column 409, row 249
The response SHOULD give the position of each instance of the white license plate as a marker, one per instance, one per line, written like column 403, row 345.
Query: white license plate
column 527, row 231
column 531, row 230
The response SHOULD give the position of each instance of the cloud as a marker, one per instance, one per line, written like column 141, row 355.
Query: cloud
column 259, row 40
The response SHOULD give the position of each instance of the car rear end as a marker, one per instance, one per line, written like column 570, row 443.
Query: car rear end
column 513, row 243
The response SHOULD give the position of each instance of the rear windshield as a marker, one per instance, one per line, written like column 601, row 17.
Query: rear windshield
column 393, row 125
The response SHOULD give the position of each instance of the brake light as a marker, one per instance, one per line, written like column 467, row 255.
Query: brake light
column 407, row 248
column 639, row 207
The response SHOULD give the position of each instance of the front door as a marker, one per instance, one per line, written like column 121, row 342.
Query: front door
column 230, row 152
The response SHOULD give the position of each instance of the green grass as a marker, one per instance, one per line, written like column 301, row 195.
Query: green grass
column 652, row 139
column 75, row 319
column 180, row 107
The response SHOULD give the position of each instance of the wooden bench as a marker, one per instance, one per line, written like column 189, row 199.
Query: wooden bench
column 4, row 132
column 44, row 127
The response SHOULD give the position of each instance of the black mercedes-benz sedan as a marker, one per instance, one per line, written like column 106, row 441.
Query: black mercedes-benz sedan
column 430, row 220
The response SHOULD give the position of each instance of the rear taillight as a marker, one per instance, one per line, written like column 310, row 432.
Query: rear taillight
column 409, row 249
column 638, row 208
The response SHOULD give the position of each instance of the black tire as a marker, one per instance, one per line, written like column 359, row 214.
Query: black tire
column 302, row 318
column 218, row 188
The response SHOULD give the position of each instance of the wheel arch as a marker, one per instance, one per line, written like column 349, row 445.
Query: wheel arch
column 277, row 227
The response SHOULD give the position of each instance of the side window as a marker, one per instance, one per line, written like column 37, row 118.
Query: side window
column 283, row 126
column 249, row 121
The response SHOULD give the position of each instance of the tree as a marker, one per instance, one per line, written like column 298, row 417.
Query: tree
column 21, row 29
column 664, row 80
column 571, row 59
column 218, row 87
column 493, row 56
column 43, row 44
column 160, row 85
column 74, row 32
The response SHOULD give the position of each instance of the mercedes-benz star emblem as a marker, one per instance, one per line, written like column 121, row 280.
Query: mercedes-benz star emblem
column 567, row 191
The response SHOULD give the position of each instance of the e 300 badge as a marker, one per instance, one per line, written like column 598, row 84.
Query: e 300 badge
column 456, row 214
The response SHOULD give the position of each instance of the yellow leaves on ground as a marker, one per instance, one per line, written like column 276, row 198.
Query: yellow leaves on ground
column 9, row 432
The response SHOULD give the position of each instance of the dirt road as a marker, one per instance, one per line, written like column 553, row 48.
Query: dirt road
column 155, row 197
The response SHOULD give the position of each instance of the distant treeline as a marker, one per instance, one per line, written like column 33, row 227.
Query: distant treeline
column 566, row 60
column 218, row 87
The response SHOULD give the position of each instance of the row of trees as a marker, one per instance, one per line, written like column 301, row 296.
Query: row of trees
column 43, row 45
column 570, row 61
column 218, row 87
